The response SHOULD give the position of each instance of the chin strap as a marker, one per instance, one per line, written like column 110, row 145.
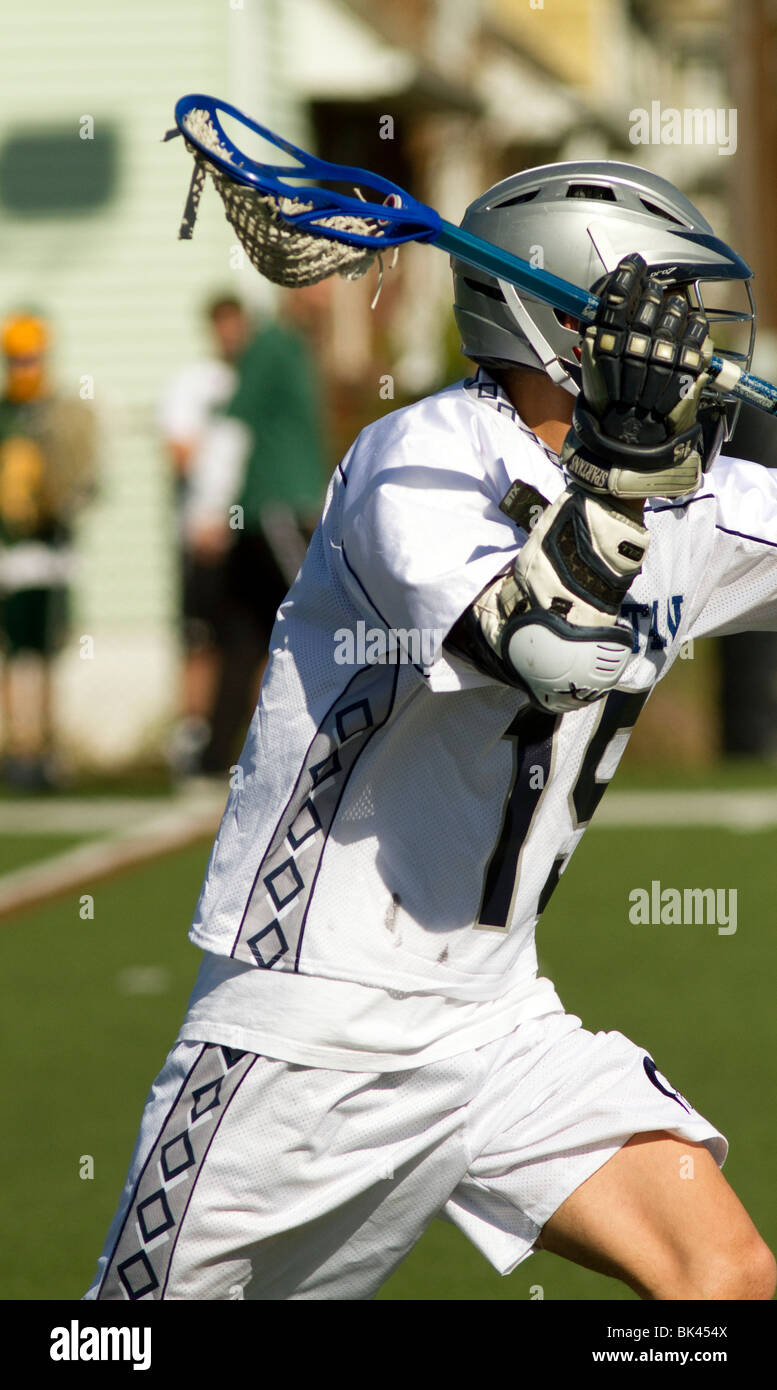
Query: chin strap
column 551, row 362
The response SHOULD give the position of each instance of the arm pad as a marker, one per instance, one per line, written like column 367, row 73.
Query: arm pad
column 565, row 667
column 550, row 623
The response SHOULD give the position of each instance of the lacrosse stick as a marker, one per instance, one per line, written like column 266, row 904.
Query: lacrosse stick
column 297, row 231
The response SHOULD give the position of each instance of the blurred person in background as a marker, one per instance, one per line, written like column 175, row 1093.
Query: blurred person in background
column 259, row 492
column 186, row 409
column 47, row 474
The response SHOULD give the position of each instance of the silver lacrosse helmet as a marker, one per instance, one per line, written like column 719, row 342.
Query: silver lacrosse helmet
column 578, row 220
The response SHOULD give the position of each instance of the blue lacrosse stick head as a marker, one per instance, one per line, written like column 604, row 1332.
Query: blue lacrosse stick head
column 401, row 217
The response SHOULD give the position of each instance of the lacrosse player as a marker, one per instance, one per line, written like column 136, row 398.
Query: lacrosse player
column 501, row 574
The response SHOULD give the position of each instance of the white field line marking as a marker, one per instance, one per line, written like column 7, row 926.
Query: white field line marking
column 146, row 830
column 745, row 810
column 81, row 867
column 731, row 810
column 86, row 815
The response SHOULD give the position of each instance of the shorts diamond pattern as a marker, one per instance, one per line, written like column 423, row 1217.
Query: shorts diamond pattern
column 140, row 1262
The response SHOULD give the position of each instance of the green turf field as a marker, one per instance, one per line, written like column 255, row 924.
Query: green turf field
column 80, row 1048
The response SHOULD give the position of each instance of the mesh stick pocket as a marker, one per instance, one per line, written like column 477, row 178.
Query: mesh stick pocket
column 279, row 250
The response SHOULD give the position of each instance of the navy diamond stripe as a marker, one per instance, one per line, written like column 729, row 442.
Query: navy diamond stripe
column 284, row 892
column 133, row 1289
column 163, row 1216
column 298, row 832
column 328, row 767
column 205, row 1098
column 171, row 1168
column 260, row 955
column 354, row 719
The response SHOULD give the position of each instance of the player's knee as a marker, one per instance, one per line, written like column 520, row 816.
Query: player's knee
column 751, row 1273
column 745, row 1271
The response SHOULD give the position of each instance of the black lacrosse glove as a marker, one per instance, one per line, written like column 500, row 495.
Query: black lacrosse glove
column 635, row 429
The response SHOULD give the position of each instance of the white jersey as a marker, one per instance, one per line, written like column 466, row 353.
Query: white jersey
column 403, row 819
column 188, row 418
column 191, row 397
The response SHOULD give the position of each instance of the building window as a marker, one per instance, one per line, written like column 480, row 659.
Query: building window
column 48, row 171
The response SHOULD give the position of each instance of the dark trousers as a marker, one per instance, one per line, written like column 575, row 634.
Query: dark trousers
column 254, row 590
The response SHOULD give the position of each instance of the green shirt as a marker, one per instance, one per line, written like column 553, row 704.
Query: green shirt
column 277, row 397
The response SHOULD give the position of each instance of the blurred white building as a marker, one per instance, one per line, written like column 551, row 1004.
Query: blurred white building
column 90, row 204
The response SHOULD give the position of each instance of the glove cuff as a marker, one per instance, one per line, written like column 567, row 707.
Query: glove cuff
column 605, row 465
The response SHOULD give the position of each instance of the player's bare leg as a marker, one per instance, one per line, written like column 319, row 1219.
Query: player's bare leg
column 202, row 668
column 28, row 719
column 667, row 1227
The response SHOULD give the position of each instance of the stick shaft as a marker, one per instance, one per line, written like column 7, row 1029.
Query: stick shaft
column 551, row 289
column 746, row 387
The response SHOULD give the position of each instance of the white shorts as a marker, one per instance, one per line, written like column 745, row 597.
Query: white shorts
column 260, row 1179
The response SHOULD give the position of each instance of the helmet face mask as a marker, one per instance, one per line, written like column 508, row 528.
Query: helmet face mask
column 732, row 329
column 578, row 220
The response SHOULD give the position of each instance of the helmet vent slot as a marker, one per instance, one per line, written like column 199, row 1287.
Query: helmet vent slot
column 600, row 191
column 660, row 212
column 518, row 198
column 492, row 291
